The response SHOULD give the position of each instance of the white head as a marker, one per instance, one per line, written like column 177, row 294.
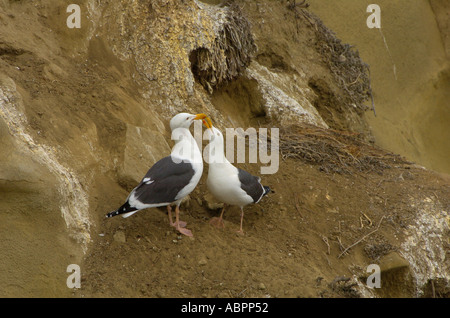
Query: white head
column 214, row 135
column 184, row 120
column 215, row 149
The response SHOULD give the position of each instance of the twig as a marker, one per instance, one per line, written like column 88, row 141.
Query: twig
column 368, row 219
column 328, row 260
column 325, row 239
column 340, row 243
column 354, row 82
column 296, row 204
column 435, row 195
column 309, row 210
column 243, row 291
column 362, row 238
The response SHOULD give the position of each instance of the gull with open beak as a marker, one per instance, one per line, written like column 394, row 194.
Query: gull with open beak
column 228, row 184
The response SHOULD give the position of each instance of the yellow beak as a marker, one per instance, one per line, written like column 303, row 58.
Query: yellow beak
column 200, row 116
column 207, row 122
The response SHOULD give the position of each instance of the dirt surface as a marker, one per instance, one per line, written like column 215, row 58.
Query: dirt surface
column 85, row 112
column 293, row 245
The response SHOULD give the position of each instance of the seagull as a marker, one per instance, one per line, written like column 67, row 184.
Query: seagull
column 170, row 179
column 228, row 184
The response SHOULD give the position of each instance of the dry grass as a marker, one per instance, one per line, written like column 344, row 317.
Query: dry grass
column 334, row 151
column 351, row 73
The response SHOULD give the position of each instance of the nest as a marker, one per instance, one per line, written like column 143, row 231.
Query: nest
column 350, row 72
column 229, row 55
column 334, row 151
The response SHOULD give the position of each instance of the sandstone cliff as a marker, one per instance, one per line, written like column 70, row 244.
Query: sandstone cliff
column 84, row 113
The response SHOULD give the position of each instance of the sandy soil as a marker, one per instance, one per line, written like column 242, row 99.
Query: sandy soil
column 292, row 242
column 327, row 218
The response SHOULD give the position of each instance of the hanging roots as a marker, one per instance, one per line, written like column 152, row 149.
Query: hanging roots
column 230, row 54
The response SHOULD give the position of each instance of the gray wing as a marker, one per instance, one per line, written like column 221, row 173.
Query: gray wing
column 251, row 185
column 163, row 181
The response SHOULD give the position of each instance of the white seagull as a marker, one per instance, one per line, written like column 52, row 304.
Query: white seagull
column 170, row 179
column 228, row 184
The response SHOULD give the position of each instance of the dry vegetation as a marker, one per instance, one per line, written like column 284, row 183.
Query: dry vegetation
column 231, row 54
column 351, row 73
column 334, row 151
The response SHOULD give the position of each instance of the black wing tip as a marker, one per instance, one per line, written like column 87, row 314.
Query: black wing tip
column 266, row 190
column 111, row 214
column 125, row 208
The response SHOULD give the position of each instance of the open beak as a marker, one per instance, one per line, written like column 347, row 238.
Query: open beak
column 200, row 116
column 207, row 122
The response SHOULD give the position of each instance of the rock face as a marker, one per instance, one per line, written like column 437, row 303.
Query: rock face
column 170, row 81
column 84, row 113
column 426, row 247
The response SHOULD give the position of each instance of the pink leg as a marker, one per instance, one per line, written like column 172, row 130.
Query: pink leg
column 242, row 220
column 178, row 224
column 169, row 211
column 218, row 222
